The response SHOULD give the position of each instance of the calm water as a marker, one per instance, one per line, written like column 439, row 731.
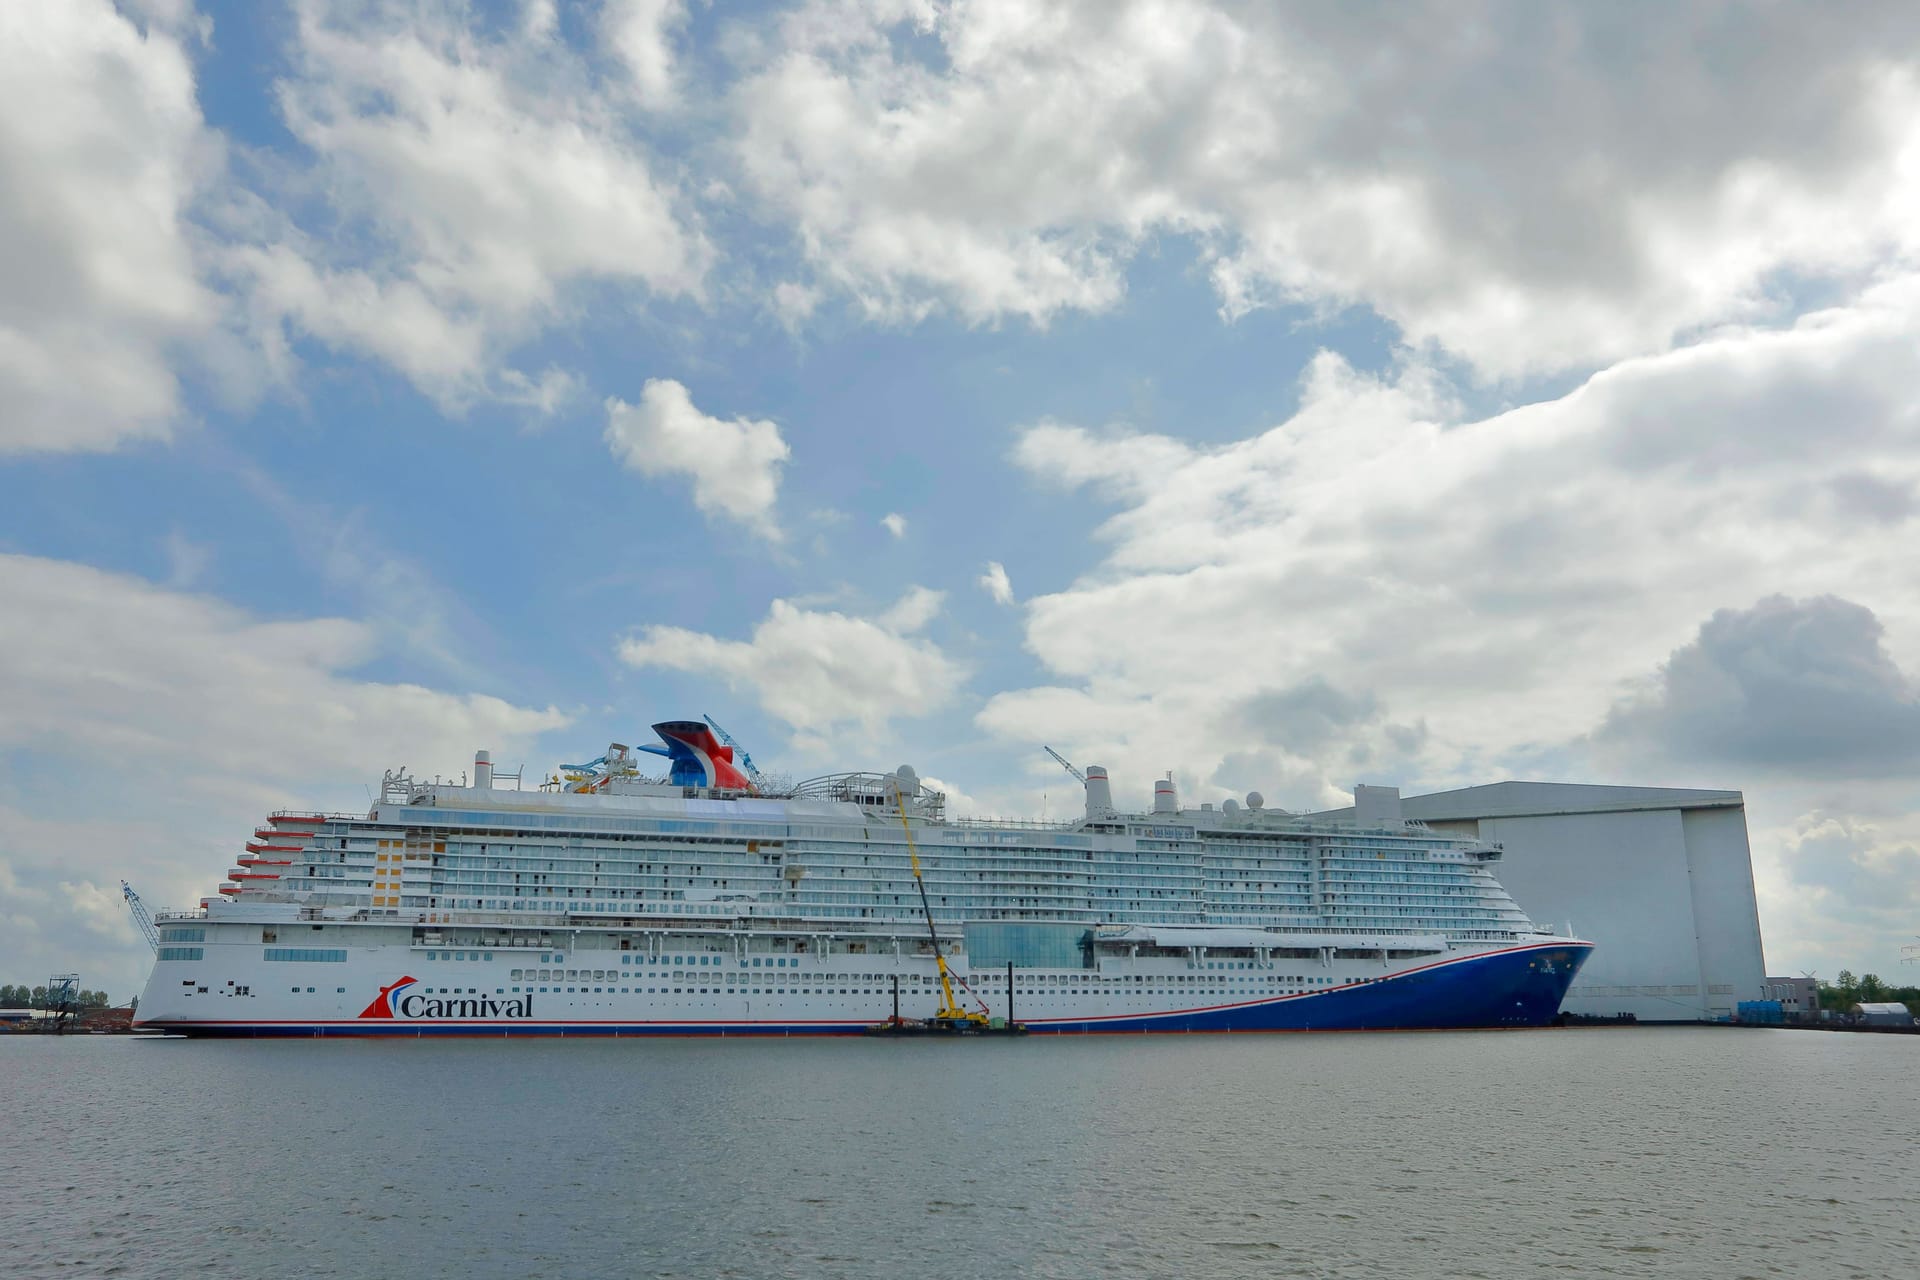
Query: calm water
column 1572, row 1153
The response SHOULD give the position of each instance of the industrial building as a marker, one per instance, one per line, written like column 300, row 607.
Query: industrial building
column 1660, row 878
column 1884, row 1013
column 1799, row 997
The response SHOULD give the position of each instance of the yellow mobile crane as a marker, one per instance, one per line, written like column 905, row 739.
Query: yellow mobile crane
column 951, row 1017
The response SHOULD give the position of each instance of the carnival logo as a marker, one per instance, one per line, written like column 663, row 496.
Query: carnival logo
column 382, row 1006
column 396, row 1001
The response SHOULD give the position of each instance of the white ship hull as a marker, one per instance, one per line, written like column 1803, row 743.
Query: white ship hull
column 411, row 990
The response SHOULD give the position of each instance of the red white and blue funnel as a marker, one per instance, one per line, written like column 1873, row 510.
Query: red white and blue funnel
column 699, row 759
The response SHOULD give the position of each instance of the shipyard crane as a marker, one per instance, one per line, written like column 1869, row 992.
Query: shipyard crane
column 950, row 1017
column 1066, row 764
column 141, row 916
column 740, row 755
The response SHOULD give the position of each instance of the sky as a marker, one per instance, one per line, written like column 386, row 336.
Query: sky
column 1286, row 396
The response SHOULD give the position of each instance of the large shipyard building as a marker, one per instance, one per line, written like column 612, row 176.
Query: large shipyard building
column 1660, row 878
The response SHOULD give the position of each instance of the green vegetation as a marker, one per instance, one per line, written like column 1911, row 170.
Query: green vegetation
column 1847, row 991
column 26, row 997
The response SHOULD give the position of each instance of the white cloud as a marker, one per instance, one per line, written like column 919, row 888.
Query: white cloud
column 473, row 181
column 546, row 395
column 641, row 34
column 1805, row 686
column 1507, row 185
column 102, row 156
column 996, row 583
column 734, row 465
column 820, row 670
column 894, row 523
column 913, row 611
column 187, row 560
column 112, row 667
column 185, row 720
column 1845, row 889
column 1488, row 590
column 794, row 303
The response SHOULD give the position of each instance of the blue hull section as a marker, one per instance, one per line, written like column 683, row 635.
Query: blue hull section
column 1522, row 987
column 1519, row 988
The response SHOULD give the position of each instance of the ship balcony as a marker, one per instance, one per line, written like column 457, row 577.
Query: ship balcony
column 254, row 846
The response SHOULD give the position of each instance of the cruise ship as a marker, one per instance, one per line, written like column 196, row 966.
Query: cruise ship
column 689, row 897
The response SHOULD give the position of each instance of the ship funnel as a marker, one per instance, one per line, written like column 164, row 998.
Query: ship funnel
column 483, row 770
column 1099, row 793
column 1164, row 800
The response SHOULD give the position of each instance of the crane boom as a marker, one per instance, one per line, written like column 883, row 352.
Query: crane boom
column 1066, row 764
column 950, row 1013
column 141, row 916
column 739, row 752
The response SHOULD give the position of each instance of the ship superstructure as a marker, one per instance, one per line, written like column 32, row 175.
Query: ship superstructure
column 614, row 901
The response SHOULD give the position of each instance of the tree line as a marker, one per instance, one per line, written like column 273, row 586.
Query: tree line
column 1847, row 991
column 27, row 997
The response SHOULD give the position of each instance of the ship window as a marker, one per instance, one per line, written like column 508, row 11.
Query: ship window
column 340, row 990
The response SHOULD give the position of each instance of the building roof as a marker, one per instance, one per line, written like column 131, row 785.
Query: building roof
column 1544, row 799
column 1538, row 799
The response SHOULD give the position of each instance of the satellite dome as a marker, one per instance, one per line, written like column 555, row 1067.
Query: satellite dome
column 904, row 771
column 1230, row 805
column 1255, row 800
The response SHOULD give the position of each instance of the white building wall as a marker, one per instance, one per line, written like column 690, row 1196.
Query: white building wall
column 1725, row 911
column 1660, row 880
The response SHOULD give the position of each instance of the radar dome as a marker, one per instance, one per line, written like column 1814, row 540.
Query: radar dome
column 1230, row 805
column 1255, row 800
column 904, row 772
